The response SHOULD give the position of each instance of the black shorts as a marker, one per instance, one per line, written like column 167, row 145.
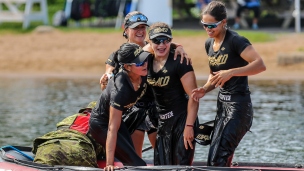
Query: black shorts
column 147, row 126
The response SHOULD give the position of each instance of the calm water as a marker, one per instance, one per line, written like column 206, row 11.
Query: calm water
column 30, row 107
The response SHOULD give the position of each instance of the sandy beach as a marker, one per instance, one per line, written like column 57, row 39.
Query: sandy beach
column 82, row 54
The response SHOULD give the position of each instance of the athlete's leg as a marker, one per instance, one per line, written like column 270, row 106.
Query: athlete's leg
column 152, row 137
column 138, row 140
column 125, row 151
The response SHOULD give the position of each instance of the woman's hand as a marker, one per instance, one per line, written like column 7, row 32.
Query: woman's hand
column 220, row 77
column 188, row 136
column 103, row 81
column 110, row 167
column 198, row 93
column 179, row 50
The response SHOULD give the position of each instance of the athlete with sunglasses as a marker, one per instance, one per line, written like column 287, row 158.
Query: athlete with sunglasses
column 172, row 83
column 122, row 92
column 135, row 25
column 232, row 59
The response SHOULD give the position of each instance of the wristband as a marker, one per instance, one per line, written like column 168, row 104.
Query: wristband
column 110, row 75
column 190, row 125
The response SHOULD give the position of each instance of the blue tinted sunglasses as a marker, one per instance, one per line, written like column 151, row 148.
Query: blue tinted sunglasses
column 138, row 18
column 211, row 25
column 138, row 64
column 159, row 40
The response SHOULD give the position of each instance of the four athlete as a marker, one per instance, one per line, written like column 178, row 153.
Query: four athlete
column 173, row 93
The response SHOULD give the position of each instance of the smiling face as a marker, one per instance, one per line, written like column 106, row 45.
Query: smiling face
column 214, row 19
column 160, row 37
column 210, row 21
column 133, row 58
column 161, row 46
column 137, row 35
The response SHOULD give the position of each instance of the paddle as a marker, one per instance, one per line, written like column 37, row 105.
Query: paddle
column 147, row 149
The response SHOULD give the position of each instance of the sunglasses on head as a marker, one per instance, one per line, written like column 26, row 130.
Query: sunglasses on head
column 211, row 25
column 138, row 18
column 138, row 64
column 159, row 40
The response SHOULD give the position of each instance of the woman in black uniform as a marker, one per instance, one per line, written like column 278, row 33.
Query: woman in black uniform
column 121, row 93
column 232, row 59
column 171, row 83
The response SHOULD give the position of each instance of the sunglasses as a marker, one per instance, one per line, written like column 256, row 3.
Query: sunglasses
column 159, row 40
column 212, row 25
column 138, row 18
column 138, row 64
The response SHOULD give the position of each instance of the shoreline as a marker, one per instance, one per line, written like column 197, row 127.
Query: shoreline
column 97, row 76
column 58, row 54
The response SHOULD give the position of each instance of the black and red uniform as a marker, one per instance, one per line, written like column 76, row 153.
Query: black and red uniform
column 234, row 108
column 119, row 94
column 171, row 102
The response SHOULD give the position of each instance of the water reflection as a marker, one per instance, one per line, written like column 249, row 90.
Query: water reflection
column 31, row 107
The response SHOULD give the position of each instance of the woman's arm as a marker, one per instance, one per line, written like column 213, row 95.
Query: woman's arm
column 189, row 83
column 201, row 91
column 179, row 50
column 114, row 124
column 255, row 66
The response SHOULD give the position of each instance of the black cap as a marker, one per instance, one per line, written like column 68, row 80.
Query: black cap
column 160, row 31
column 202, row 133
column 135, row 24
column 131, row 53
